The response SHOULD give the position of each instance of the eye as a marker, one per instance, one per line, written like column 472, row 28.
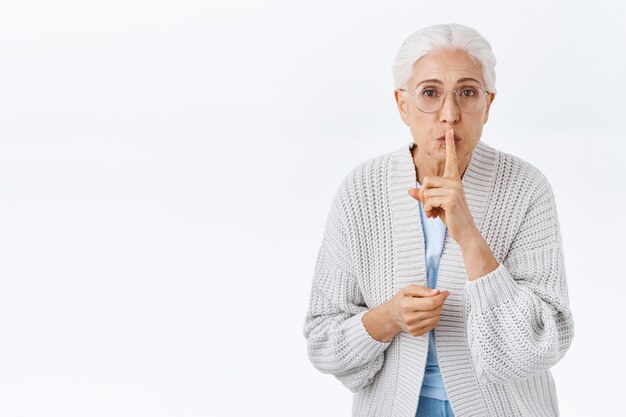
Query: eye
column 469, row 92
column 430, row 92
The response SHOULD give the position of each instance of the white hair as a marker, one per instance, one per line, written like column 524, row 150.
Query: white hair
column 444, row 37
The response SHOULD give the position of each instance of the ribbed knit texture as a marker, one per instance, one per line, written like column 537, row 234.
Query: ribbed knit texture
column 497, row 336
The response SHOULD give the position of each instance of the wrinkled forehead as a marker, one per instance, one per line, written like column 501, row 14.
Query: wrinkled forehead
column 447, row 69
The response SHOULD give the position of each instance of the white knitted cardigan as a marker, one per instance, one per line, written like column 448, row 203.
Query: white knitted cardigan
column 497, row 336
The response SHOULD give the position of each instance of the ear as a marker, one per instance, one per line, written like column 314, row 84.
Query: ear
column 492, row 96
column 402, row 106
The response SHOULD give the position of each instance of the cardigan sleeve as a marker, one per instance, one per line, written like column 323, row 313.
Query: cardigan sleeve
column 337, row 341
column 519, row 322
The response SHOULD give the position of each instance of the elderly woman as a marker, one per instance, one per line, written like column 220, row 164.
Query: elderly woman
column 440, row 288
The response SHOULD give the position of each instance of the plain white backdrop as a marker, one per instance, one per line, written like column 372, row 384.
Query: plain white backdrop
column 166, row 168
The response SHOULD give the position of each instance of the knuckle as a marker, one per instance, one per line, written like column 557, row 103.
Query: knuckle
column 406, row 318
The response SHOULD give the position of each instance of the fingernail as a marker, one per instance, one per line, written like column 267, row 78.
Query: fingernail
column 434, row 291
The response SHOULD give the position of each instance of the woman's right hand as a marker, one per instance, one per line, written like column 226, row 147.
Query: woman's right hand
column 416, row 309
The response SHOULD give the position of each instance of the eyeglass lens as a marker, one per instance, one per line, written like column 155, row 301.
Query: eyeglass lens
column 430, row 98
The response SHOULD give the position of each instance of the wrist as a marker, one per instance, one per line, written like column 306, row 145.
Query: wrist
column 478, row 256
column 470, row 239
column 379, row 324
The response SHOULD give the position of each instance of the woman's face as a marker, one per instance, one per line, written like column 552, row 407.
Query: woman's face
column 448, row 66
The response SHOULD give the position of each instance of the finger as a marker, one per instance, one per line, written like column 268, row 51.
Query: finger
column 424, row 307
column 434, row 202
column 418, row 194
column 436, row 182
column 432, row 213
column 440, row 298
column 425, row 314
column 428, row 303
column 435, row 192
column 425, row 326
column 427, row 321
column 420, row 291
column 433, row 198
column 451, row 169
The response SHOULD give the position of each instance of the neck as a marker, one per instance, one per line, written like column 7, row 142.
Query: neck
column 428, row 167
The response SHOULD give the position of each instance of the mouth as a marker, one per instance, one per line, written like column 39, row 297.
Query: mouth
column 443, row 138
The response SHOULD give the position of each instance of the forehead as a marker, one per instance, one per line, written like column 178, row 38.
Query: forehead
column 447, row 66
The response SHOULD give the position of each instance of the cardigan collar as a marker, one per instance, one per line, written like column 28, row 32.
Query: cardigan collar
column 478, row 181
column 409, row 262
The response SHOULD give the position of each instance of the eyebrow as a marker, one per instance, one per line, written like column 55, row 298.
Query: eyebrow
column 434, row 80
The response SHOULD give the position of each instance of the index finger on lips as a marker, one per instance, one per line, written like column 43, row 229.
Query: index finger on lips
column 451, row 169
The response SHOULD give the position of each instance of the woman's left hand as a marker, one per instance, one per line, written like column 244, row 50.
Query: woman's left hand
column 444, row 196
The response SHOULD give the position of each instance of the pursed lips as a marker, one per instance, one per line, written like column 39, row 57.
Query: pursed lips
column 443, row 138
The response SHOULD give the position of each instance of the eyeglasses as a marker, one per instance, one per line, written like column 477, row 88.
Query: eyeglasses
column 429, row 99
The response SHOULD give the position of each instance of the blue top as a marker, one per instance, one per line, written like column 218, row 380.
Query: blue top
column 434, row 235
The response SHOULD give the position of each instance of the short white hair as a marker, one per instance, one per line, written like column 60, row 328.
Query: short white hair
column 444, row 37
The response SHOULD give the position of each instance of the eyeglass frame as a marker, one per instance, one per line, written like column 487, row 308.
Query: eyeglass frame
column 456, row 98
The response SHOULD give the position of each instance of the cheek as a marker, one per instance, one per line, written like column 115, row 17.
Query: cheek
column 468, row 148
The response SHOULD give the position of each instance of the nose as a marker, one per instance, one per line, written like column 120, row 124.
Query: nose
column 450, row 111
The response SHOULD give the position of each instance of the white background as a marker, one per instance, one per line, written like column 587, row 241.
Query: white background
column 166, row 169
